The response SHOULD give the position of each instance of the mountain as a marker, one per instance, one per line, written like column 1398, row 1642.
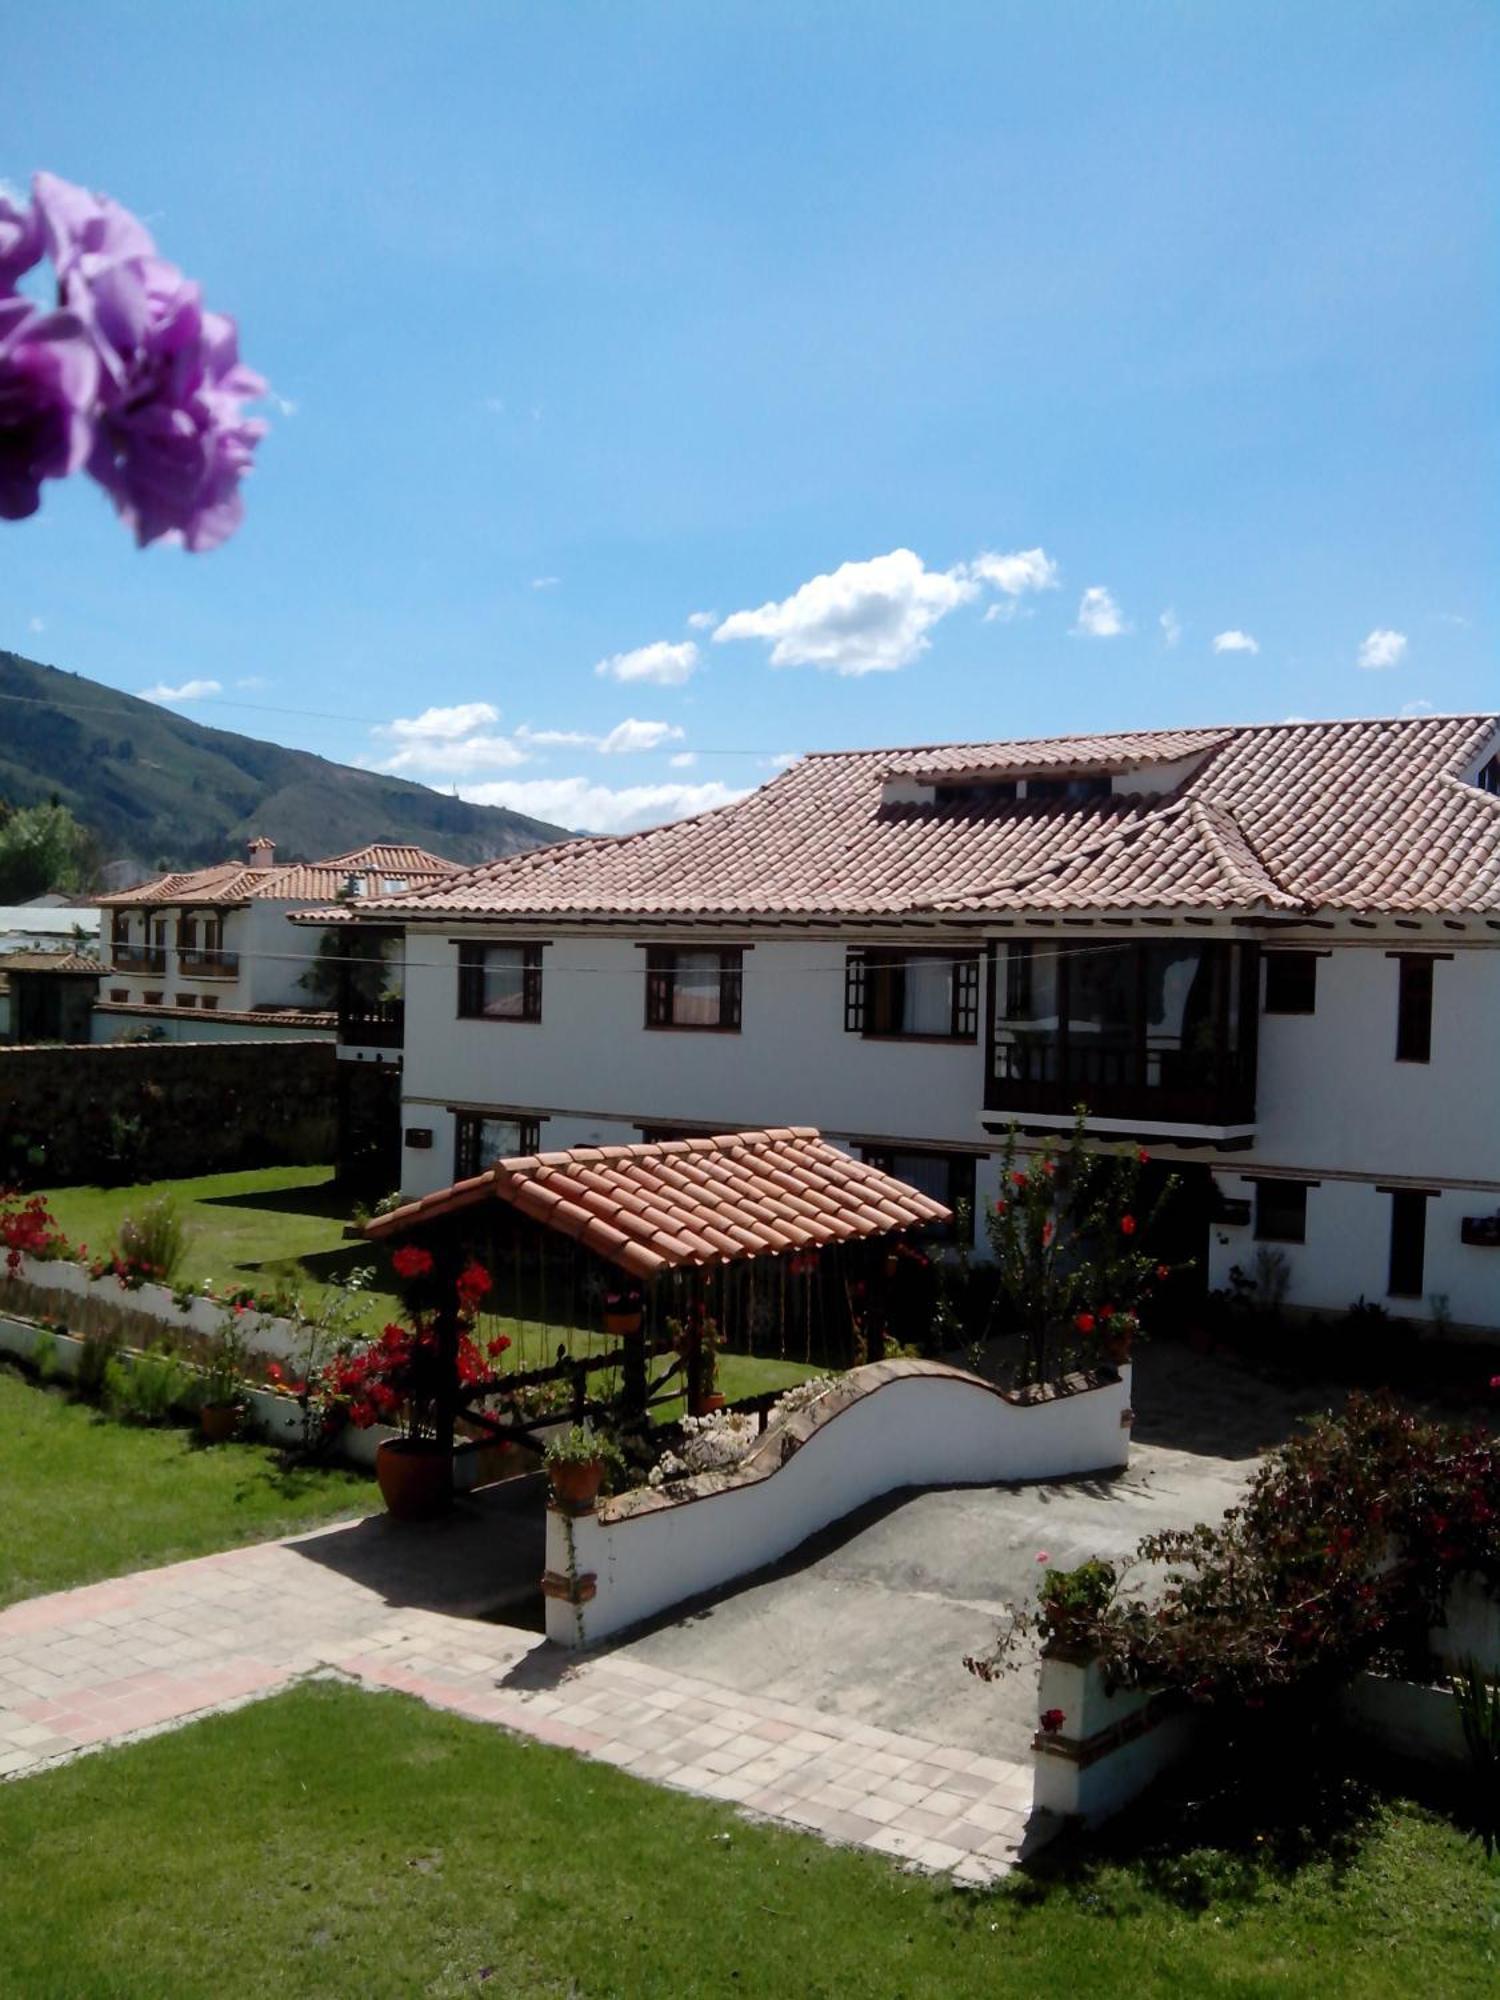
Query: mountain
column 157, row 788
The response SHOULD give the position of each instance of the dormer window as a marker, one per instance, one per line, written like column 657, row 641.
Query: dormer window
column 1097, row 785
column 977, row 797
column 355, row 886
column 393, row 885
column 1489, row 778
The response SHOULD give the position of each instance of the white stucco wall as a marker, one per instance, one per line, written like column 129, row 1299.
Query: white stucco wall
column 1331, row 1093
column 925, row 1426
column 273, row 955
column 594, row 1069
column 1332, row 1101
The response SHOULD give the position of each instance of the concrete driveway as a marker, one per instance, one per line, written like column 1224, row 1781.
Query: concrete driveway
column 871, row 1621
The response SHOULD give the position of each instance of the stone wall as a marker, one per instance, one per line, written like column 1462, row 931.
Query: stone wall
column 127, row 1111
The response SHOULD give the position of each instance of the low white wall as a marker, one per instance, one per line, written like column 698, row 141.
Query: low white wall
column 276, row 1339
column 892, row 1425
column 1110, row 1748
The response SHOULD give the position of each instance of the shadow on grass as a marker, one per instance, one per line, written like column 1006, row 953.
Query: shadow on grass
column 1265, row 1816
column 325, row 1199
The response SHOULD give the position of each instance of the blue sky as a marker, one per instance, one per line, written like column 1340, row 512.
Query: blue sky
column 587, row 319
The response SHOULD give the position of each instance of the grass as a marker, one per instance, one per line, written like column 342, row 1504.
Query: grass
column 332, row 1842
column 82, row 1497
column 282, row 1228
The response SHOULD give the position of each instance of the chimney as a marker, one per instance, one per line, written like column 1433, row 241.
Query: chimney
column 262, row 852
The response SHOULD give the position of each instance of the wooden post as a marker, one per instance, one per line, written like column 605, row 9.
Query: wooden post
column 447, row 1263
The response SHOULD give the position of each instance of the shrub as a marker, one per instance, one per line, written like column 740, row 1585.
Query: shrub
column 153, row 1241
column 147, row 1387
column 95, row 1355
column 1342, row 1554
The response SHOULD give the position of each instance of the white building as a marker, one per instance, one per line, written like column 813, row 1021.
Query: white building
column 1269, row 954
column 217, row 941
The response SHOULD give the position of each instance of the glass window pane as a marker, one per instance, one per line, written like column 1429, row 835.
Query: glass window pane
column 696, row 996
column 504, row 983
column 1026, row 1037
column 498, row 1139
column 928, row 1173
column 928, row 1008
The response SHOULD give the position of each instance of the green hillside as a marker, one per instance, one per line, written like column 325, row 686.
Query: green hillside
column 163, row 790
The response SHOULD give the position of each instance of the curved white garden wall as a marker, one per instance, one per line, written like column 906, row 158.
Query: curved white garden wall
column 892, row 1425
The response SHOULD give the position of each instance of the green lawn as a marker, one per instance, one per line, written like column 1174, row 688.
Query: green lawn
column 335, row 1842
column 82, row 1497
column 283, row 1227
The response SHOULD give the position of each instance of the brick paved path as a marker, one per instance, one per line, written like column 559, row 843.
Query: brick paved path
column 113, row 1660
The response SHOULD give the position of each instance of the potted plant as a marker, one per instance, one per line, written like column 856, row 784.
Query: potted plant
column 624, row 1312
column 577, row 1461
column 399, row 1379
column 222, row 1406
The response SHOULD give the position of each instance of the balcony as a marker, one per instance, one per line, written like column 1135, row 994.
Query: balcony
column 372, row 1024
column 208, row 964
column 1161, row 1034
column 138, row 958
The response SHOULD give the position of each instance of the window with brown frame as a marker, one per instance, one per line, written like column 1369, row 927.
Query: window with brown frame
column 500, row 982
column 1414, row 1010
column 1408, row 1252
column 479, row 1140
column 1291, row 982
column 1281, row 1211
column 946, row 1177
column 912, row 995
column 694, row 989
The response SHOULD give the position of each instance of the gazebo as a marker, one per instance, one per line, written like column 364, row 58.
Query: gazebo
column 776, row 1238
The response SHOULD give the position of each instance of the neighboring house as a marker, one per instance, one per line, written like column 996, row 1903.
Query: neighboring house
column 47, row 996
column 1268, row 954
column 217, row 941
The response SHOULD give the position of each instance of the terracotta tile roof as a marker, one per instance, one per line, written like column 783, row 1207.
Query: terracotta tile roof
column 74, row 962
column 1376, row 815
column 286, row 882
column 653, row 1208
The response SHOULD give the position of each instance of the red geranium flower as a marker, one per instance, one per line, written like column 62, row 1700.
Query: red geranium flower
column 1127, row 1225
column 1019, row 1178
column 1052, row 1720
column 412, row 1261
column 1163, row 1271
column 1106, row 1312
column 1085, row 1322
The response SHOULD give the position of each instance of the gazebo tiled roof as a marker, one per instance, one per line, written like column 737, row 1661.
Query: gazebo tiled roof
column 691, row 1202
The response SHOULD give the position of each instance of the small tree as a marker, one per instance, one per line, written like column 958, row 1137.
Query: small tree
column 1067, row 1232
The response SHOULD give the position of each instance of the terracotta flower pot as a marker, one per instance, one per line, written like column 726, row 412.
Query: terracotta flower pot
column 621, row 1325
column 219, row 1421
column 576, row 1482
column 1117, row 1349
column 415, row 1478
column 705, row 1406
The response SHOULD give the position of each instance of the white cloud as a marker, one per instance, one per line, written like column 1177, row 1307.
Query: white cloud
column 252, row 683
column 700, row 621
column 1171, row 627
column 1415, row 708
column 683, row 760
column 189, row 691
column 36, row 624
column 866, row 617
column 282, row 405
column 632, row 735
column 1452, row 618
column 545, row 582
column 450, row 743
column 1235, row 642
column 782, row 760
column 495, row 405
column 575, row 802
column 1099, row 617
column 1015, row 574
column 662, row 662
column 1381, row 648
column 552, row 739
column 441, row 725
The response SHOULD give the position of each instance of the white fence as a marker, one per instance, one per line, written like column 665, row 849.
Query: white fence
column 891, row 1425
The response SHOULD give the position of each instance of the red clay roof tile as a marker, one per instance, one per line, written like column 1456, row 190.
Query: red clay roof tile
column 651, row 1208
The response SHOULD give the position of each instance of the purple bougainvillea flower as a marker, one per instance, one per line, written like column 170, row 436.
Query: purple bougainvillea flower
column 49, row 377
column 20, row 242
column 172, row 440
